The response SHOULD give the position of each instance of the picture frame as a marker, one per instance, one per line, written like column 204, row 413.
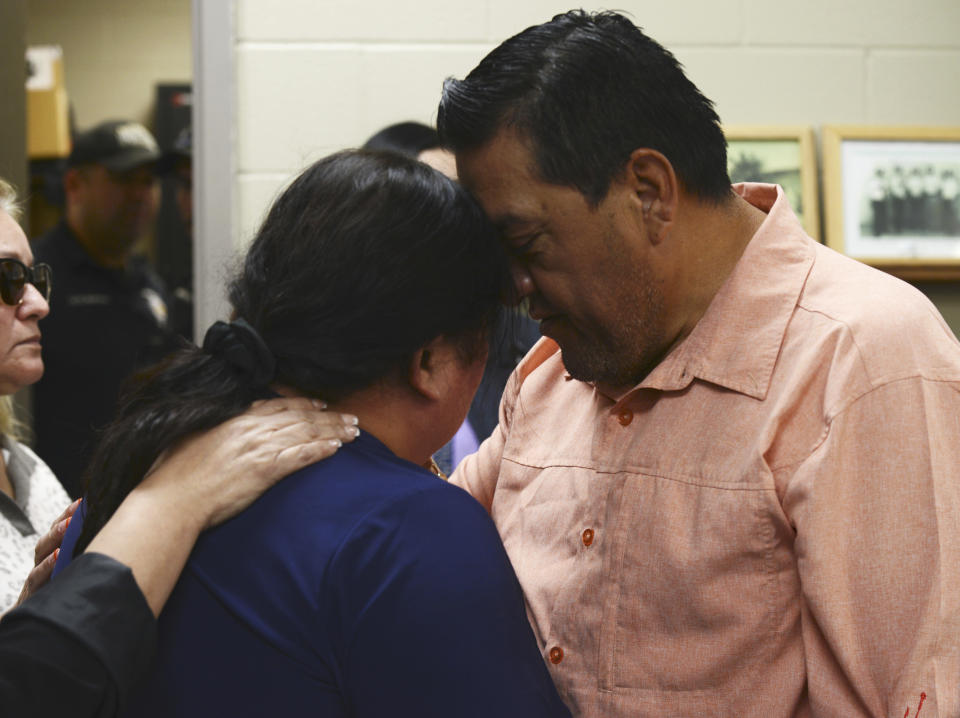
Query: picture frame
column 778, row 154
column 892, row 198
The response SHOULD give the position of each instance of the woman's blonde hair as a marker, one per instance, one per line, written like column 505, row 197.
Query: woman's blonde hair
column 8, row 199
column 9, row 425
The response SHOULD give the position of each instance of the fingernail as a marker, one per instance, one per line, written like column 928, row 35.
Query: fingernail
column 62, row 526
column 317, row 403
column 336, row 442
column 350, row 419
column 353, row 430
column 56, row 553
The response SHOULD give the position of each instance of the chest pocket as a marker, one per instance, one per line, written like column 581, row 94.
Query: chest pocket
column 691, row 588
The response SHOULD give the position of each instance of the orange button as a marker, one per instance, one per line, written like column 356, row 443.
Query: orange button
column 625, row 417
column 556, row 655
column 587, row 537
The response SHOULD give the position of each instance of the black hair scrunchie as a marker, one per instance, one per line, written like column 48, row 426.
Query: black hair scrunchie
column 241, row 346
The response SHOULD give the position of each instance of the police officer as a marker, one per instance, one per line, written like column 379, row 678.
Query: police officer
column 109, row 309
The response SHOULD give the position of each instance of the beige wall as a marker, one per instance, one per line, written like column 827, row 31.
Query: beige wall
column 115, row 51
column 317, row 75
column 13, row 109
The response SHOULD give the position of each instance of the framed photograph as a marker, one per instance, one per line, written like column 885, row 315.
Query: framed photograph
column 892, row 197
column 785, row 156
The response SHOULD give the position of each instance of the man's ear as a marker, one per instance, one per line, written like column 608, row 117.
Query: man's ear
column 72, row 180
column 654, row 185
column 426, row 372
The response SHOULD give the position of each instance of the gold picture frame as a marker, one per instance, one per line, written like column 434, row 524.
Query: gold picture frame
column 892, row 197
column 778, row 154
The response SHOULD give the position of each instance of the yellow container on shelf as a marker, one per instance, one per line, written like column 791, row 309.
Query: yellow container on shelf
column 48, row 110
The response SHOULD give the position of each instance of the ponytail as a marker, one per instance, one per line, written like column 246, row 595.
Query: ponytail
column 191, row 390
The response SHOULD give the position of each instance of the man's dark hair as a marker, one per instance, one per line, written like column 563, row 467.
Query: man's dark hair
column 585, row 90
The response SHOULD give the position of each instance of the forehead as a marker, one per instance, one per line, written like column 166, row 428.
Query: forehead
column 100, row 175
column 440, row 159
column 501, row 174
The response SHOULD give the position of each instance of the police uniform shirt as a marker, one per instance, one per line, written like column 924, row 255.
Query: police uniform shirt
column 103, row 325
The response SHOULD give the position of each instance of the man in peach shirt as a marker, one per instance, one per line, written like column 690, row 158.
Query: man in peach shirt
column 728, row 476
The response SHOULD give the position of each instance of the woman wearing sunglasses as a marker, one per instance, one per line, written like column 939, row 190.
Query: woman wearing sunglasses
column 364, row 585
column 30, row 495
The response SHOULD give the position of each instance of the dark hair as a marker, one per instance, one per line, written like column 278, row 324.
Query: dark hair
column 585, row 90
column 363, row 260
column 407, row 138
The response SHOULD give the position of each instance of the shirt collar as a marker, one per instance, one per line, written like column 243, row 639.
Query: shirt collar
column 370, row 444
column 20, row 470
column 737, row 341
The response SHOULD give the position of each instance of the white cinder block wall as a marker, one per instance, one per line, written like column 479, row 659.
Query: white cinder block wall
column 314, row 76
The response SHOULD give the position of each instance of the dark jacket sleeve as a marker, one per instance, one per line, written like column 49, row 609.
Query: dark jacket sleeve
column 79, row 645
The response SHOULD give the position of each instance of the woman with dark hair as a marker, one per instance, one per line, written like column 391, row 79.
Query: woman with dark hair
column 512, row 337
column 365, row 585
column 407, row 138
column 415, row 139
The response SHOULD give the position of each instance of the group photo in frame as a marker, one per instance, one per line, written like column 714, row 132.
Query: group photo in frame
column 892, row 197
column 783, row 155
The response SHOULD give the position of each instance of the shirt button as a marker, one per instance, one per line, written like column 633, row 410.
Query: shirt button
column 556, row 655
column 587, row 537
column 625, row 417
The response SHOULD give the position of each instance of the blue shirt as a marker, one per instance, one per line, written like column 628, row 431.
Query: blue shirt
column 360, row 586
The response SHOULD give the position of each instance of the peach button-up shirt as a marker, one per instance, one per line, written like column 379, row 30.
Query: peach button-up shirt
column 769, row 524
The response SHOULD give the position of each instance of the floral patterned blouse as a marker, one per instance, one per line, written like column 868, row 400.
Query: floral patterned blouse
column 39, row 499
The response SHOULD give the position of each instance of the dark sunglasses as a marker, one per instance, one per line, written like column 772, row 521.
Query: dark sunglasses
column 14, row 276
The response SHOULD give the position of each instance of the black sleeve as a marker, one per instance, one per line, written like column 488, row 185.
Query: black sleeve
column 79, row 645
